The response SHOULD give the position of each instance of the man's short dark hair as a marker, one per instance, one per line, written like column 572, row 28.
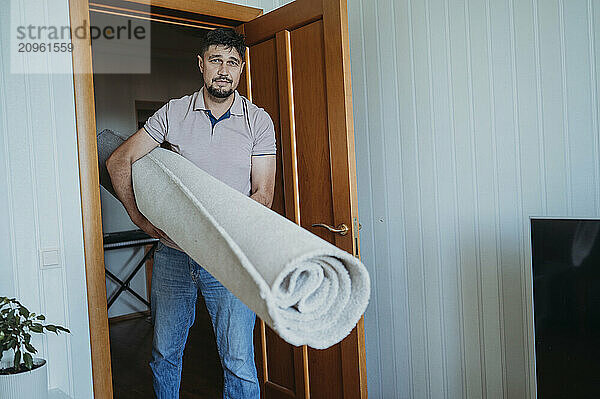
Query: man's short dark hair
column 226, row 37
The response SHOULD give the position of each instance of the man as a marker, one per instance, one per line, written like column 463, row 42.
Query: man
column 233, row 140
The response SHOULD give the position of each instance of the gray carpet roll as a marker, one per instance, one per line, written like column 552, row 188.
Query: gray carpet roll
column 306, row 289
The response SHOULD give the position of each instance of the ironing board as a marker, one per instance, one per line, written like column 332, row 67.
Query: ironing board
column 128, row 239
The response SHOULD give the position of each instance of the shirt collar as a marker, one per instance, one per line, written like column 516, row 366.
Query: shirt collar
column 236, row 107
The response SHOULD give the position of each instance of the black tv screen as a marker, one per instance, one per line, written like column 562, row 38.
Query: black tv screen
column 566, row 298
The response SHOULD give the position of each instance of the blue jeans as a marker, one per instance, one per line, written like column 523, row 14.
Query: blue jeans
column 176, row 279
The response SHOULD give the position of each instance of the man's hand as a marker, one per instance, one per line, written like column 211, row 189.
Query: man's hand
column 150, row 229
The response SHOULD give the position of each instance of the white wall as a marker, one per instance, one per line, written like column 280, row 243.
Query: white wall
column 470, row 117
column 266, row 5
column 41, row 240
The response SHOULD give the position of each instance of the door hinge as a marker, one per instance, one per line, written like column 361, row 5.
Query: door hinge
column 355, row 227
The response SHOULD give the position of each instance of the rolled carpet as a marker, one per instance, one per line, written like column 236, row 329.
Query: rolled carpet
column 306, row 289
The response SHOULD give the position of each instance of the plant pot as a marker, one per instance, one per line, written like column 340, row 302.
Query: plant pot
column 27, row 384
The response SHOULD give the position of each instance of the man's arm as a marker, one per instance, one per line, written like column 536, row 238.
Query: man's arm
column 262, row 174
column 119, row 168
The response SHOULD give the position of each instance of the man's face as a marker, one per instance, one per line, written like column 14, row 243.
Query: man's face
column 221, row 68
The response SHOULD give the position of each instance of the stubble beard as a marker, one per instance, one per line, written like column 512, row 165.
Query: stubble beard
column 218, row 92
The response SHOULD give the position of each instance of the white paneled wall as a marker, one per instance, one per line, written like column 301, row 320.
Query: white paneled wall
column 470, row 117
column 41, row 242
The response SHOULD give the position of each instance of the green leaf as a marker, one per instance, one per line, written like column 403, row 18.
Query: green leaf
column 50, row 327
column 63, row 329
column 17, row 360
column 23, row 311
column 36, row 327
column 28, row 360
column 30, row 347
column 41, row 317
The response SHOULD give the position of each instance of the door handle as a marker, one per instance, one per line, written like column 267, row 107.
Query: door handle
column 342, row 229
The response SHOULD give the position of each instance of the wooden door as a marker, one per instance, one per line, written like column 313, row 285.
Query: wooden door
column 299, row 71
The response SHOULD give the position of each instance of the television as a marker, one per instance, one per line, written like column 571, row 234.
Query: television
column 566, row 298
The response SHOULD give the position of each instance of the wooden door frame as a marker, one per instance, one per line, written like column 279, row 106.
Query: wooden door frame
column 85, row 120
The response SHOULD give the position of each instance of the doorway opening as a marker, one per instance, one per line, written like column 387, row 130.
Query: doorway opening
column 123, row 103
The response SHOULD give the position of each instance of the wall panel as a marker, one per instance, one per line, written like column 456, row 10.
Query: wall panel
column 42, row 242
column 469, row 119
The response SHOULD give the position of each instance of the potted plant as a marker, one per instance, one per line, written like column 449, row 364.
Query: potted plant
column 22, row 375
